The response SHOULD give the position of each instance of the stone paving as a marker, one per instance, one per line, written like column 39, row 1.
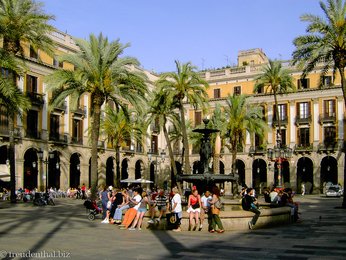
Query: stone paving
column 63, row 231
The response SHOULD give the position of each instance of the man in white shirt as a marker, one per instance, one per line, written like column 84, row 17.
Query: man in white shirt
column 205, row 210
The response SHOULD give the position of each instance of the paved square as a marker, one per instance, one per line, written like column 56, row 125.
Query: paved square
column 63, row 231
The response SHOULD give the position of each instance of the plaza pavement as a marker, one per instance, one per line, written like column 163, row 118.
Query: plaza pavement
column 63, row 231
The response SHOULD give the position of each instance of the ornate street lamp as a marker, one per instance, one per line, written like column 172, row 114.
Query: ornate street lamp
column 279, row 154
column 46, row 162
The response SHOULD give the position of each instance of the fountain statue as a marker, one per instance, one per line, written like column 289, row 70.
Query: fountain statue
column 205, row 178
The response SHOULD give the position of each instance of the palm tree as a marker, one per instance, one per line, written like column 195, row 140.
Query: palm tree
column 277, row 81
column 100, row 72
column 161, row 110
column 14, row 102
column 325, row 41
column 187, row 86
column 242, row 117
column 119, row 129
column 22, row 21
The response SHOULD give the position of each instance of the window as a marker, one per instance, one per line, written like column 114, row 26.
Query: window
column 217, row 93
column 32, row 124
column 33, row 54
column 329, row 135
column 198, row 118
column 237, row 90
column 304, row 137
column 282, row 109
column 54, row 127
column 5, row 73
column 3, row 118
column 304, row 110
column 303, row 83
column 31, row 84
column 329, row 108
column 326, row 81
column 77, row 131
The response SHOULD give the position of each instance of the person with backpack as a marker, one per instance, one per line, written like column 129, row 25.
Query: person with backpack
column 216, row 205
column 249, row 203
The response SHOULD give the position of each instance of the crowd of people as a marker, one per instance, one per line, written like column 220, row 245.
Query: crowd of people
column 127, row 207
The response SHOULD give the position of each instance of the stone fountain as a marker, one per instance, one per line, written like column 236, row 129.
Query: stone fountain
column 206, row 178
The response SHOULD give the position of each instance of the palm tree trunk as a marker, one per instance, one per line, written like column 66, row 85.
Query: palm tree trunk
column 277, row 136
column 95, row 132
column 117, row 162
column 171, row 156
column 11, row 154
column 187, row 169
column 343, row 86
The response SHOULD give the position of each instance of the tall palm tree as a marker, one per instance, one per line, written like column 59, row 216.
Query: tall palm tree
column 187, row 86
column 119, row 129
column 276, row 81
column 325, row 41
column 242, row 117
column 161, row 110
column 22, row 21
column 100, row 72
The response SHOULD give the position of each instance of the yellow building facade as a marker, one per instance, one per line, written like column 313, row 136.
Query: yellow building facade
column 312, row 125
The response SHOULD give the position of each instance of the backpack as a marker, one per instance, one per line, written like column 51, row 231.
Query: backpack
column 245, row 205
column 218, row 204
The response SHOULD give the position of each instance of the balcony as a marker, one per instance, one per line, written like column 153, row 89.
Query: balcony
column 5, row 132
column 77, row 140
column 257, row 150
column 58, row 138
column 306, row 120
column 35, row 98
column 327, row 119
column 33, row 134
column 61, row 109
column 283, row 121
column 80, row 112
column 303, row 148
column 327, row 147
column 154, row 128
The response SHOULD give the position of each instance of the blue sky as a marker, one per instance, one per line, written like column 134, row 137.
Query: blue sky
column 208, row 33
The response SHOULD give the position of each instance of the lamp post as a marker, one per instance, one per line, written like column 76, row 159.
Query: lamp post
column 279, row 154
column 46, row 162
column 152, row 154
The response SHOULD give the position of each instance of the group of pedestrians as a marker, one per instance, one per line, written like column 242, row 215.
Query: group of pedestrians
column 135, row 202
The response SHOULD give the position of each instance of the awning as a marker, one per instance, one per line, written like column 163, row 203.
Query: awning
column 5, row 172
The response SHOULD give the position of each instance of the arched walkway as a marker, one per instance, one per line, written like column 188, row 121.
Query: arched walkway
column 259, row 175
column 329, row 171
column 110, row 172
column 31, row 165
column 305, row 174
column 54, row 171
column 240, row 170
column 74, row 171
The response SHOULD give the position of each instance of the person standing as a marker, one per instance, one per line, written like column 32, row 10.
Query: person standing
column 194, row 208
column 215, row 210
column 83, row 192
column 176, row 207
column 104, row 197
column 205, row 209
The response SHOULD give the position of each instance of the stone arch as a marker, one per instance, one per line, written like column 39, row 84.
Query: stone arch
column 110, row 180
column 259, row 175
column 139, row 166
column 329, row 171
column 240, row 171
column 75, row 170
column 30, row 170
column 305, row 174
